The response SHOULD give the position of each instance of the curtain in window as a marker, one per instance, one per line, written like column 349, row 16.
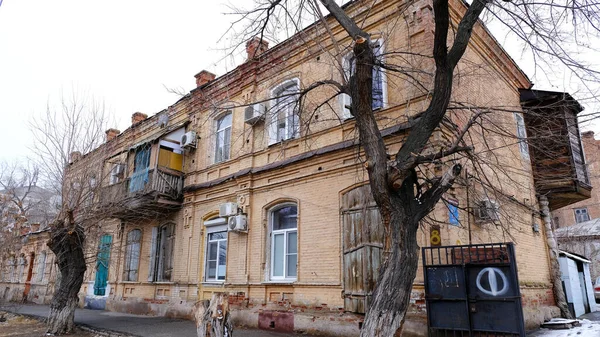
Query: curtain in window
column 132, row 255
column 139, row 178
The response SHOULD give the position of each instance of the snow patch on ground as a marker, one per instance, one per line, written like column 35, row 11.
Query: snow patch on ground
column 587, row 329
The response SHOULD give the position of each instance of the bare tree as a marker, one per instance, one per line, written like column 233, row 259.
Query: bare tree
column 61, row 135
column 404, row 184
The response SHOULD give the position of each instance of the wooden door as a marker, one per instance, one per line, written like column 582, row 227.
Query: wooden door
column 362, row 237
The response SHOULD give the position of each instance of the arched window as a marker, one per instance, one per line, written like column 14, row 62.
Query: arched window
column 161, row 257
column 132, row 255
column 284, row 122
column 41, row 267
column 222, row 138
column 283, row 223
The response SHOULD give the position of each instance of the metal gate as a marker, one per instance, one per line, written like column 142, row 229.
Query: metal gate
column 472, row 290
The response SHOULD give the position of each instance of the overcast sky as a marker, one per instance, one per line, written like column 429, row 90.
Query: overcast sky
column 120, row 51
column 123, row 52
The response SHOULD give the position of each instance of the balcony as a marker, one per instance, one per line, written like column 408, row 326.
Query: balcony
column 556, row 152
column 147, row 193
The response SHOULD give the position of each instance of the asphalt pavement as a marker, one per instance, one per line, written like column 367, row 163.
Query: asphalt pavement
column 135, row 325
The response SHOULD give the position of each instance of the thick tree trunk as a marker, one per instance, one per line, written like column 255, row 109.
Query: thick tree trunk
column 67, row 245
column 213, row 318
column 391, row 298
column 559, row 294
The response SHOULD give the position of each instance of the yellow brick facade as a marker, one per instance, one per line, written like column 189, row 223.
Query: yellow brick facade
column 313, row 172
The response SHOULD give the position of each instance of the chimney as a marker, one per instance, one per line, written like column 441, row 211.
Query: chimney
column 204, row 77
column 588, row 134
column 75, row 156
column 111, row 134
column 137, row 117
column 255, row 47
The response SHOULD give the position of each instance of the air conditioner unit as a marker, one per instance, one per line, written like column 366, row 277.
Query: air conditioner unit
column 486, row 211
column 228, row 209
column 237, row 223
column 255, row 113
column 189, row 139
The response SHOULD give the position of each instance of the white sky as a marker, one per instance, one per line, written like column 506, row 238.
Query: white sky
column 120, row 51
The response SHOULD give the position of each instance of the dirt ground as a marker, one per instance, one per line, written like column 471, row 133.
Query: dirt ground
column 20, row 326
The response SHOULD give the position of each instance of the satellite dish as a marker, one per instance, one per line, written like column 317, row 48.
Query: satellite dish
column 163, row 120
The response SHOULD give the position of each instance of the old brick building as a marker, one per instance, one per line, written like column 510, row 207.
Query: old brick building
column 234, row 188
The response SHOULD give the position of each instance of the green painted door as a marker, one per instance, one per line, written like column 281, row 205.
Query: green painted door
column 102, row 265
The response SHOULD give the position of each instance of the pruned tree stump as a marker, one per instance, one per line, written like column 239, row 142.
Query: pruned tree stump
column 213, row 318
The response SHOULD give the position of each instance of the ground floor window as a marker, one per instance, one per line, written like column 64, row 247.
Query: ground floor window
column 284, row 242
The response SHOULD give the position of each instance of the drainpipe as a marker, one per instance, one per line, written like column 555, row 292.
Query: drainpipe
column 559, row 294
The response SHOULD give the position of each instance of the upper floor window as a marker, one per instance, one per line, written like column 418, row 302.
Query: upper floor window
column 161, row 255
column 522, row 135
column 284, row 242
column 581, row 215
column 284, row 121
column 223, row 138
column 378, row 90
column 141, row 162
column 132, row 255
column 117, row 173
column 453, row 216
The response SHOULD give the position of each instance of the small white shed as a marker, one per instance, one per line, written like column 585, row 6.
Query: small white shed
column 577, row 283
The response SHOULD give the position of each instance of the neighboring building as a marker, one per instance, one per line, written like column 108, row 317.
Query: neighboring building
column 212, row 196
column 583, row 239
column 586, row 210
column 27, row 269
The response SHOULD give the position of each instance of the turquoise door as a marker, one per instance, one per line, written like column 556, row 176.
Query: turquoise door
column 102, row 265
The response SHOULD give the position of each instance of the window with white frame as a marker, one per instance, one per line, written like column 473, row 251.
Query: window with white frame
column 522, row 135
column 117, row 173
column 284, row 120
column 132, row 255
column 581, row 215
column 41, row 267
column 215, row 266
column 222, row 137
column 378, row 90
column 284, row 242
column 161, row 256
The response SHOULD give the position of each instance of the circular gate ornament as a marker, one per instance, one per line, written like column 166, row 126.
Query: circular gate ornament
column 492, row 276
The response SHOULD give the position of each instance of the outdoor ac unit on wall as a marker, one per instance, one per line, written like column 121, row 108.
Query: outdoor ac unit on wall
column 189, row 139
column 486, row 211
column 255, row 113
column 237, row 223
column 228, row 209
